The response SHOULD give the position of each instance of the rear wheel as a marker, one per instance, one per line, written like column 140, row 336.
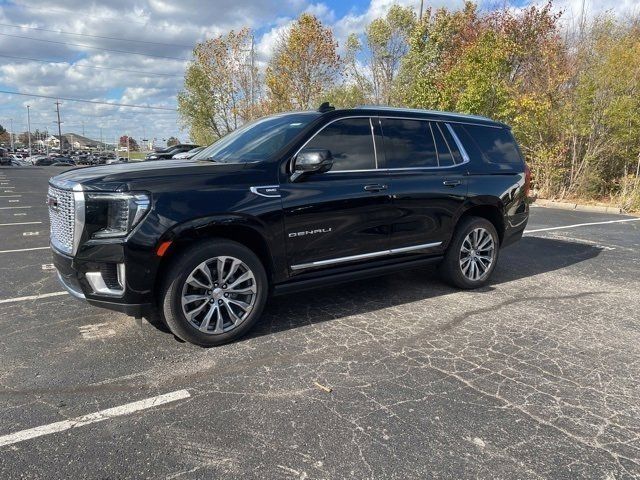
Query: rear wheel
column 214, row 292
column 472, row 254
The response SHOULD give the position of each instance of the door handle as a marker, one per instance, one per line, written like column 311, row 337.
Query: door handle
column 375, row 188
column 451, row 183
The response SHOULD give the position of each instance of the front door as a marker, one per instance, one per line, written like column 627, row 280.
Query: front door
column 343, row 215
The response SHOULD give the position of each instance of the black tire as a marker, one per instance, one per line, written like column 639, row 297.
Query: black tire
column 170, row 301
column 450, row 268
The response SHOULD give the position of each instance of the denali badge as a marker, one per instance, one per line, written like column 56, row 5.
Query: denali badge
column 309, row 232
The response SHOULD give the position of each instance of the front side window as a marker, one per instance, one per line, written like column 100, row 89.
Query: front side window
column 408, row 143
column 350, row 142
column 257, row 140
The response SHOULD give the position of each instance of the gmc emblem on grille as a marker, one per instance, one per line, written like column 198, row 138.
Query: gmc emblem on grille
column 52, row 202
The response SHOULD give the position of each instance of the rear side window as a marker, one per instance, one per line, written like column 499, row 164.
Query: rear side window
column 408, row 144
column 445, row 155
column 495, row 146
column 350, row 142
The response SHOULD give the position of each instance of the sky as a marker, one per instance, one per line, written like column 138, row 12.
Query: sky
column 135, row 52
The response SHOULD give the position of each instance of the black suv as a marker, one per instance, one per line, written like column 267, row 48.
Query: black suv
column 289, row 202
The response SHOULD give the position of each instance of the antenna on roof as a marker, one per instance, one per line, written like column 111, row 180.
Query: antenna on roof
column 326, row 107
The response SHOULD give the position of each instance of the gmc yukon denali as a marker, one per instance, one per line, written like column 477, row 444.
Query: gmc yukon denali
column 289, row 202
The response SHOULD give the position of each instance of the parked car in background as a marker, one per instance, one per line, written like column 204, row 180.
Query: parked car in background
column 5, row 159
column 63, row 162
column 20, row 162
column 56, row 161
column 189, row 154
column 180, row 148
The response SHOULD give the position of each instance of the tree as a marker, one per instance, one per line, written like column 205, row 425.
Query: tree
column 172, row 141
column 5, row 138
column 131, row 144
column 221, row 87
column 304, row 66
column 388, row 42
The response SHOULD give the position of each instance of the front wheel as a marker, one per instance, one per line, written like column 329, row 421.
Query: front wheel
column 214, row 292
column 472, row 254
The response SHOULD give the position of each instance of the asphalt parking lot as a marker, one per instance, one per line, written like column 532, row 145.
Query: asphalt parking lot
column 536, row 376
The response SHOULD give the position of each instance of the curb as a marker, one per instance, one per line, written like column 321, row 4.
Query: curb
column 576, row 206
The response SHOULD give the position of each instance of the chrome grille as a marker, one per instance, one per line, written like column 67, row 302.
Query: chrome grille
column 62, row 218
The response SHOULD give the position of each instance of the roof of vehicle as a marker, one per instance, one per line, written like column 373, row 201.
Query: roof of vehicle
column 380, row 110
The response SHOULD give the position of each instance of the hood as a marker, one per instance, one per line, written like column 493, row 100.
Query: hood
column 127, row 176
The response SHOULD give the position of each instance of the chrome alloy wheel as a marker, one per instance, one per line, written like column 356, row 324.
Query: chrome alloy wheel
column 477, row 254
column 219, row 295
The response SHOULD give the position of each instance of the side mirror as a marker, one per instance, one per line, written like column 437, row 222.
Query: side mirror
column 311, row 160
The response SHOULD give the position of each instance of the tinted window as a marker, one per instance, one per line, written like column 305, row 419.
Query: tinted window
column 453, row 147
column 408, row 144
column 257, row 140
column 445, row 158
column 350, row 142
column 494, row 145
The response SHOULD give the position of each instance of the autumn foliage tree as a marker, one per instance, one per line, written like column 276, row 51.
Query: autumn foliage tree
column 303, row 67
column 221, row 87
column 129, row 142
column 571, row 96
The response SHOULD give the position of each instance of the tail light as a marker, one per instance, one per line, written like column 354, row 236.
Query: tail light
column 527, row 180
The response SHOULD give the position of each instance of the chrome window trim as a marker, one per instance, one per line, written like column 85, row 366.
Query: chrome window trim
column 373, row 139
column 325, row 126
column 453, row 158
column 364, row 256
column 463, row 152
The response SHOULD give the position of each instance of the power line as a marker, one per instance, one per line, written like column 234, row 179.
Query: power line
column 91, row 66
column 94, row 48
column 96, row 36
column 72, row 12
column 95, row 102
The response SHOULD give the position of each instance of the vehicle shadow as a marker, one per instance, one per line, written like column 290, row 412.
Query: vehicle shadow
column 529, row 257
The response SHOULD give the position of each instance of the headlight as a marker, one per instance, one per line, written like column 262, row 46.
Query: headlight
column 112, row 215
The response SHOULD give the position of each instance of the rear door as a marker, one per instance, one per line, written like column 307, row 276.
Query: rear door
column 343, row 215
column 428, row 183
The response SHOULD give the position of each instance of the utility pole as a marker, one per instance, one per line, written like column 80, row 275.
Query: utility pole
column 29, row 127
column 101, row 142
column 252, row 75
column 421, row 9
column 128, row 149
column 11, row 134
column 59, row 128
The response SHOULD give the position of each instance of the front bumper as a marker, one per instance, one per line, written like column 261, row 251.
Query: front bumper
column 71, row 274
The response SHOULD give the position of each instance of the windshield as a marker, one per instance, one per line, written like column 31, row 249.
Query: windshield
column 257, row 140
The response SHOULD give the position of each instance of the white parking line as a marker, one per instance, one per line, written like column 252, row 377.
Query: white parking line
column 20, row 223
column 24, row 249
column 9, row 196
column 581, row 225
column 30, row 234
column 33, row 297
column 11, row 208
column 100, row 416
